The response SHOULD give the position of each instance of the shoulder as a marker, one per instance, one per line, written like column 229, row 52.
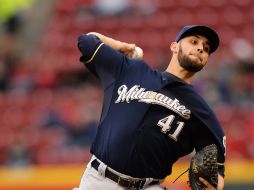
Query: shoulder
column 140, row 72
column 198, row 106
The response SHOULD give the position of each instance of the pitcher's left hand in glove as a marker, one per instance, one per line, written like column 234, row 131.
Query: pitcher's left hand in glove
column 204, row 165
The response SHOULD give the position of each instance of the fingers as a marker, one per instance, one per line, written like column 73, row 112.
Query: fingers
column 130, row 47
column 127, row 49
column 204, row 181
column 207, row 184
column 210, row 187
column 131, row 50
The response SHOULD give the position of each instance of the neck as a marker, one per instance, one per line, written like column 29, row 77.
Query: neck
column 175, row 69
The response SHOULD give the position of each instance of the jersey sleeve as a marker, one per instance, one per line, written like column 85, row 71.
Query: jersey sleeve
column 102, row 60
column 204, row 138
column 207, row 127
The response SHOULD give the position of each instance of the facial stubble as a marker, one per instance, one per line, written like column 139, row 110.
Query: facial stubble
column 187, row 63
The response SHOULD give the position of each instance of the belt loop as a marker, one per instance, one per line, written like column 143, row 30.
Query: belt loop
column 102, row 169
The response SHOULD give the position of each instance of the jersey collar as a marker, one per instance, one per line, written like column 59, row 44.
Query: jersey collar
column 170, row 78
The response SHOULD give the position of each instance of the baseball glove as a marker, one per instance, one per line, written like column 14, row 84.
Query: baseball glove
column 204, row 164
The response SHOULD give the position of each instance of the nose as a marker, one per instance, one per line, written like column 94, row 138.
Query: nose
column 200, row 50
column 201, row 47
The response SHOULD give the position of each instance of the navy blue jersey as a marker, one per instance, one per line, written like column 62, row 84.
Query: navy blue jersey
column 149, row 118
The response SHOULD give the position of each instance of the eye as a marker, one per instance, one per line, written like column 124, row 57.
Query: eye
column 206, row 49
column 194, row 41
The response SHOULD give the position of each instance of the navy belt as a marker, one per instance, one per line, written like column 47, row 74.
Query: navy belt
column 124, row 182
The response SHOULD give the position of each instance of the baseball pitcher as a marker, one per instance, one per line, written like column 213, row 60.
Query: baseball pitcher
column 151, row 118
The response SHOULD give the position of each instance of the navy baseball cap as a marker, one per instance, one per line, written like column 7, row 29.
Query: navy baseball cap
column 205, row 31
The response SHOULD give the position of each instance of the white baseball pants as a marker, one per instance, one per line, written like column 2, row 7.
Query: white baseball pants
column 93, row 180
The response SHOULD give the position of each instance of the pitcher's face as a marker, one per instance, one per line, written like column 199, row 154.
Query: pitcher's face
column 193, row 52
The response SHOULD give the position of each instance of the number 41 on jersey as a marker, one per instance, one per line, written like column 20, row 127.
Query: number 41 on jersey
column 166, row 124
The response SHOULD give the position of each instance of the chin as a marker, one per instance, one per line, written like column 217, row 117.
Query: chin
column 196, row 62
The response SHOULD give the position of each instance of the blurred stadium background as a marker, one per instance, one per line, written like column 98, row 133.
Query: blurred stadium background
column 50, row 104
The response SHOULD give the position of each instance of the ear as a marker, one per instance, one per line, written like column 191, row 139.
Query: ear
column 174, row 47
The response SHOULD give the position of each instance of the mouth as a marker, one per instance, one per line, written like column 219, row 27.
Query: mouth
column 197, row 56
